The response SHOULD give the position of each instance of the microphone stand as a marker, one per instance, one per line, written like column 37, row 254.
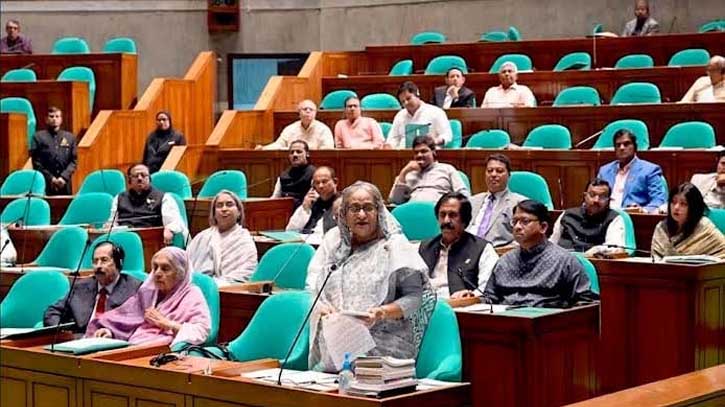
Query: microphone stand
column 25, row 217
column 634, row 249
column 468, row 282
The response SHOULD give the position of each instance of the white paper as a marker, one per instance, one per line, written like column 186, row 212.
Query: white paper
column 484, row 308
column 4, row 332
column 344, row 334
column 294, row 377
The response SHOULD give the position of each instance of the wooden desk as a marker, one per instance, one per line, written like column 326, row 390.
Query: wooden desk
column 116, row 74
column 13, row 142
column 259, row 213
column 9, row 275
column 237, row 309
column 658, row 320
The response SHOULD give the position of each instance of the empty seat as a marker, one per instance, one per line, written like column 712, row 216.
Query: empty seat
column 402, row 68
column 417, row 220
column 440, row 356
column 20, row 75
column 379, row 101
column 489, row 139
column 692, row 134
column 106, row 180
column 494, row 36
column 522, row 62
column 549, row 136
column 81, row 73
column 514, row 34
column 64, row 249
column 636, row 93
column 635, row 61
column 712, row 26
column 577, row 96
column 92, row 208
column 120, row 44
column 457, row 131
column 71, row 45
column 172, row 181
column 574, row 61
column 22, row 182
column 23, row 307
column 690, row 57
column 385, row 128
column 232, row 180
column 26, row 211
column 428, row 37
column 532, row 186
column 441, row 64
column 20, row 105
column 336, row 99
column 285, row 264
column 637, row 127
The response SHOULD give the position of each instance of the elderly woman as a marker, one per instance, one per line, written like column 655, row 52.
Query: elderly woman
column 159, row 142
column 373, row 271
column 226, row 250
column 686, row 231
column 166, row 309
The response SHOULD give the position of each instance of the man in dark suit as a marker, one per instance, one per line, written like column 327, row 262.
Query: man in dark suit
column 54, row 152
column 106, row 290
column 454, row 94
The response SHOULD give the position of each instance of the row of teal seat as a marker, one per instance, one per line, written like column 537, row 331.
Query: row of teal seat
column 79, row 45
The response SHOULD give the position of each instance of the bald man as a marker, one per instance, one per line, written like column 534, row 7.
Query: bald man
column 642, row 24
column 710, row 88
column 315, row 133
column 508, row 93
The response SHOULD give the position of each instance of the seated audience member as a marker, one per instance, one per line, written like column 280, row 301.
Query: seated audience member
column 492, row 210
column 14, row 43
column 166, row 309
column 642, row 24
column 160, row 141
column 686, row 230
column 454, row 94
column 636, row 183
column 424, row 178
column 315, row 133
column 537, row 273
column 8, row 255
column 142, row 205
column 315, row 213
column 372, row 269
column 226, row 250
column 54, row 152
column 710, row 88
column 416, row 113
column 593, row 226
column 357, row 131
column 508, row 93
column 459, row 263
column 712, row 186
column 295, row 181
column 92, row 297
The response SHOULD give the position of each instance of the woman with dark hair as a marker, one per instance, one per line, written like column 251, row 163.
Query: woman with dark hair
column 686, row 231
column 159, row 142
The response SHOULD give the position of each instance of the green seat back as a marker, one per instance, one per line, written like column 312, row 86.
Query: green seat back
column 92, row 208
column 211, row 293
column 71, row 45
column 27, row 300
column 179, row 240
column 109, row 181
column 132, row 248
column 379, row 101
column 417, row 220
column 457, row 131
column 522, row 62
column 581, row 61
column 402, row 68
column 172, row 181
column 120, row 44
column 629, row 239
column 336, row 99
column 532, row 186
column 81, row 73
column 139, row 275
column 598, row 28
column 494, row 36
column 637, row 127
column 21, row 182
column 712, row 26
column 549, row 136
column 577, row 96
column 466, row 180
column 590, row 270
column 690, row 57
column 288, row 262
column 385, row 128
column 440, row 356
column 514, row 34
column 635, row 61
column 441, row 64
column 20, row 105
column 19, row 75
column 690, row 135
column 232, row 180
column 717, row 216
column 64, row 249
column 33, row 212
column 427, row 37
column 493, row 139
column 635, row 93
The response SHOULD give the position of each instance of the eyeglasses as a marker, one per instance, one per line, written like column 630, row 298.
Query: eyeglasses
column 600, row 198
column 367, row 208
column 523, row 221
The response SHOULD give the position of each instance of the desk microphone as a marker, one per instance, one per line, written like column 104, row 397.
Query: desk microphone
column 26, row 211
column 588, row 139
column 468, row 282
column 634, row 249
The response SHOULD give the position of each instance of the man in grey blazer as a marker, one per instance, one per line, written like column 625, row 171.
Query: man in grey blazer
column 106, row 290
column 454, row 94
column 642, row 24
column 492, row 210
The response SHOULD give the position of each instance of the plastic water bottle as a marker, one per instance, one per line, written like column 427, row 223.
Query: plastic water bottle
column 345, row 377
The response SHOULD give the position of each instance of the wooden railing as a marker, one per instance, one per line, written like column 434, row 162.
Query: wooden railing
column 13, row 142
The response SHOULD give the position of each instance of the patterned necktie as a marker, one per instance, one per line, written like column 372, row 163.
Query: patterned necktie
column 486, row 221
column 101, row 304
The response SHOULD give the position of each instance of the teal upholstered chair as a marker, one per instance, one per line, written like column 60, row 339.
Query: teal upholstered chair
column 532, row 186
column 24, row 307
column 636, row 93
column 71, row 45
column 712, row 26
column 172, row 181
column 637, row 127
column 629, row 238
column 466, row 180
column 402, row 68
column 576, row 61
column 590, row 270
column 441, row 64
column 717, row 216
column 211, row 293
column 417, row 219
column 336, row 99
column 494, row 36
column 287, row 262
column 522, row 62
column 492, row 139
column 457, row 131
column 578, row 96
column 179, row 239
column 690, row 135
column 29, row 212
column 428, row 37
column 385, row 128
column 133, row 262
column 549, row 136
column 92, row 208
column 514, row 34
column 597, row 29
column 379, row 101
column 690, row 57
column 232, row 180
column 107, row 180
column 21, row 182
column 633, row 61
column 120, row 44
column 20, row 105
column 440, row 355
column 64, row 249
column 83, row 74
column 19, row 75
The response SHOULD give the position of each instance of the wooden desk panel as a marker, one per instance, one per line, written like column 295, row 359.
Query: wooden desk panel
column 237, row 309
column 259, row 213
column 13, row 142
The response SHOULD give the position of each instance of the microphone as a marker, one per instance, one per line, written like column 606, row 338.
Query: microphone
column 333, row 267
column 588, row 139
column 468, row 282
column 636, row 250
column 26, row 211
column 561, row 193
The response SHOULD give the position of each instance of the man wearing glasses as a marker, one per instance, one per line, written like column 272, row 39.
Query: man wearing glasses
column 315, row 133
column 537, row 273
column 593, row 227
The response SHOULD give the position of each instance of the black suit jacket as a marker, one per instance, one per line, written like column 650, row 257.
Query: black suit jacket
column 84, row 299
column 466, row 97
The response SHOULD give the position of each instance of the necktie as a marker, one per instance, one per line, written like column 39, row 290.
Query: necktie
column 486, row 221
column 101, row 304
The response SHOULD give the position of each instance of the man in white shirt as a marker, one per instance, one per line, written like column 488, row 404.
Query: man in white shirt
column 710, row 88
column 317, row 135
column 417, row 112
column 508, row 93
column 712, row 186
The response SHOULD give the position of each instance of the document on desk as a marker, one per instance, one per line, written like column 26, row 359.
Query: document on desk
column 343, row 334
column 302, row 378
column 485, row 308
column 88, row 345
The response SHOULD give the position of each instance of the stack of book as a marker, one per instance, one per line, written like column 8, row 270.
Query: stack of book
column 383, row 376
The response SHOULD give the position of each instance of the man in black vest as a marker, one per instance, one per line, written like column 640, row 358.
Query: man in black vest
column 458, row 261
column 295, row 181
column 593, row 227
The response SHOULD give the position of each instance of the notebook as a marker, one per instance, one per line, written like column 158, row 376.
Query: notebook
column 88, row 345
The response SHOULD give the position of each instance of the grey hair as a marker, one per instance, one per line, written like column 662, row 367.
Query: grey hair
column 719, row 61
column 237, row 202
column 178, row 259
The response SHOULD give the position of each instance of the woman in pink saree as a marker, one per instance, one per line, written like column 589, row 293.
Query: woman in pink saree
column 166, row 309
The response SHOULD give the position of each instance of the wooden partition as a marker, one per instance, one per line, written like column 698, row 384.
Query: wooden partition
column 13, row 141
